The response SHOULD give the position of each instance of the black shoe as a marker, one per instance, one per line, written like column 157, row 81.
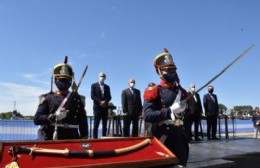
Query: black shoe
column 215, row 138
column 198, row 139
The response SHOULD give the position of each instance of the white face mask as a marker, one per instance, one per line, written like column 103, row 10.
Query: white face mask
column 132, row 85
column 101, row 79
column 192, row 90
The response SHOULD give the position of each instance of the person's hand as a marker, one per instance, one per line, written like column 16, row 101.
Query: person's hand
column 62, row 113
column 177, row 109
column 103, row 103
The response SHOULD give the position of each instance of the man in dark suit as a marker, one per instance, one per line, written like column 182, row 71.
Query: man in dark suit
column 100, row 94
column 195, row 111
column 132, row 108
column 211, row 108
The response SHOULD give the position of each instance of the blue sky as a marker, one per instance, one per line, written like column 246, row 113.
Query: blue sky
column 121, row 38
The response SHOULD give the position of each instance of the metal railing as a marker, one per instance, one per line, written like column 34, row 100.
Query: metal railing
column 26, row 130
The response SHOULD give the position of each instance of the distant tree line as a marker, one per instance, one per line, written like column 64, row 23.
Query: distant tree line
column 222, row 109
column 8, row 115
column 246, row 110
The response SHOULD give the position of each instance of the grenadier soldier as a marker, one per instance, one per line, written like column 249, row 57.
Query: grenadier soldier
column 62, row 113
column 163, row 108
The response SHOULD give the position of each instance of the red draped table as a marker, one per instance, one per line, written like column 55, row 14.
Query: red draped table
column 153, row 154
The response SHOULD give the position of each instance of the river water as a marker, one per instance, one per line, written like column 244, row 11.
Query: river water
column 26, row 130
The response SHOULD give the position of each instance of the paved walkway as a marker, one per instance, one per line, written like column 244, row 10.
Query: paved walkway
column 239, row 152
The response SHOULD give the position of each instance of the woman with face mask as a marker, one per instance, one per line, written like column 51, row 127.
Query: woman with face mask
column 256, row 122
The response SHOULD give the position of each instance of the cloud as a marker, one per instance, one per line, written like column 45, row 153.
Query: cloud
column 26, row 98
column 34, row 78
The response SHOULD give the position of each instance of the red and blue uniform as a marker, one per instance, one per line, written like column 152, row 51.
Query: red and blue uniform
column 156, row 112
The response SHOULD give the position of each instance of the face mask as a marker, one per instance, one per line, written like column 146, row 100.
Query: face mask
column 211, row 90
column 132, row 85
column 101, row 79
column 170, row 78
column 63, row 84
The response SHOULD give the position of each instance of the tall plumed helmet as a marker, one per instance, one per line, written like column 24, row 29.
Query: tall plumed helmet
column 63, row 70
column 163, row 60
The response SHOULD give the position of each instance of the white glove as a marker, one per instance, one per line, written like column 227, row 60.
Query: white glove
column 177, row 109
column 62, row 113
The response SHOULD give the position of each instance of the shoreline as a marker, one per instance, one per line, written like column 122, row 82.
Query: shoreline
column 11, row 128
column 244, row 134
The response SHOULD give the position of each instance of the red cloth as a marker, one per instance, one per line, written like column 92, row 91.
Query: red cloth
column 143, row 156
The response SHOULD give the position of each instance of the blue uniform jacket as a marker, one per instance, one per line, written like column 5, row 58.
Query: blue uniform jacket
column 76, row 116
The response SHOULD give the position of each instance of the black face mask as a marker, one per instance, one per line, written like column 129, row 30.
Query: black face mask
column 211, row 91
column 63, row 84
column 170, row 77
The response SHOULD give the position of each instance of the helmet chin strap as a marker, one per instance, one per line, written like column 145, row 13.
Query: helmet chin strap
column 160, row 74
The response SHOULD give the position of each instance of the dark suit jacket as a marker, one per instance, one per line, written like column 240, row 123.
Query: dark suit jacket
column 131, row 103
column 193, row 106
column 210, row 106
column 96, row 95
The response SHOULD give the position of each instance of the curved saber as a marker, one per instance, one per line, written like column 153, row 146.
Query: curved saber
column 215, row 77
column 70, row 153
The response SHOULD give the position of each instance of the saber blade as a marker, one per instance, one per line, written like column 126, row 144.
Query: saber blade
column 221, row 72
column 82, row 76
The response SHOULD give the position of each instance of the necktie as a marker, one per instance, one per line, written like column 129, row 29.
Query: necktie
column 132, row 91
column 195, row 98
column 102, row 90
column 212, row 97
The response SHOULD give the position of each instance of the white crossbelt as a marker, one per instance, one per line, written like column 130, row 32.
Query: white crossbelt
column 66, row 125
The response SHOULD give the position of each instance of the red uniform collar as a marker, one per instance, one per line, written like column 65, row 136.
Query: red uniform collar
column 166, row 84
